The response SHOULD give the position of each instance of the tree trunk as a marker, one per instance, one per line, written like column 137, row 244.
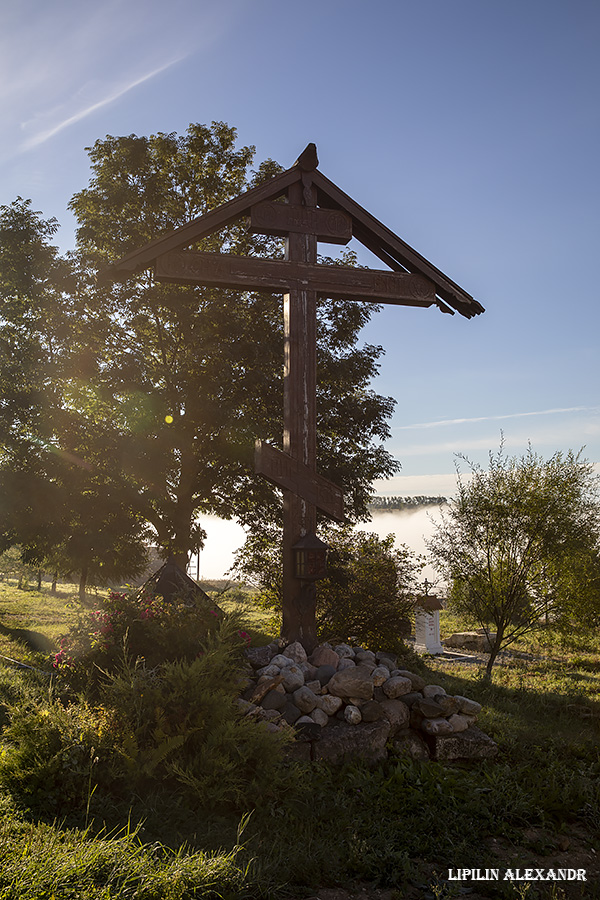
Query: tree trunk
column 54, row 580
column 82, row 583
column 39, row 579
column 493, row 654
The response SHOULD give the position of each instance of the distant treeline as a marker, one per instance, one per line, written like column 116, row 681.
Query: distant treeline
column 405, row 502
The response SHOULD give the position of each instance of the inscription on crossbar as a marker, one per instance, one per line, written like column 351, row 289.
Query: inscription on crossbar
column 286, row 472
column 333, row 226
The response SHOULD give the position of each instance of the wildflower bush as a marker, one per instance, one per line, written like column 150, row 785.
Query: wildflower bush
column 131, row 628
column 176, row 725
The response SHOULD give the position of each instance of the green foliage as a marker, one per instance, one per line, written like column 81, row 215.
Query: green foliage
column 40, row 861
column 367, row 591
column 60, row 503
column 183, row 726
column 177, row 724
column 521, row 542
column 135, row 629
column 310, row 828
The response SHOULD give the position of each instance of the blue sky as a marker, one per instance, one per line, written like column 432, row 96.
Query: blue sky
column 469, row 128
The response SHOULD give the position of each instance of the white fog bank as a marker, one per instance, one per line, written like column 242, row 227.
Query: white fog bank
column 412, row 528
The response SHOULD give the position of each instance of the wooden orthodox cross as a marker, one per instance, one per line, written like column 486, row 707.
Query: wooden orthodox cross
column 316, row 210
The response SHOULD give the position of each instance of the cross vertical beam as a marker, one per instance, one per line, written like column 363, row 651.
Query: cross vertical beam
column 299, row 423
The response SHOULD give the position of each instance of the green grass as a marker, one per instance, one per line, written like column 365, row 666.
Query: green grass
column 31, row 621
column 399, row 825
column 39, row 860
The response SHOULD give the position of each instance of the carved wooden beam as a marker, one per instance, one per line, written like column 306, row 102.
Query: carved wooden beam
column 279, row 276
column 329, row 225
column 284, row 471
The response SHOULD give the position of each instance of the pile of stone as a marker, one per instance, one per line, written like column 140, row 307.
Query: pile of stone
column 347, row 701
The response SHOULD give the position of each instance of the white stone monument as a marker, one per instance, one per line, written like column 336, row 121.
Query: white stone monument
column 427, row 625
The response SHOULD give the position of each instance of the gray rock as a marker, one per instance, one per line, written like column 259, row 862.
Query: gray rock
column 449, row 704
column 293, row 678
column 432, row 690
column 296, row 652
column 428, row 707
column 396, row 686
column 274, row 700
column 355, row 701
column 268, row 671
column 470, row 640
column 397, row 713
column 436, row 726
column 259, row 657
column 379, row 675
column 315, row 687
column 459, row 723
column 367, row 665
column 418, row 683
column 352, row 715
column 344, row 651
column 269, row 713
column 308, row 670
column 412, row 697
column 346, row 663
column 291, row 713
column 304, row 699
column 468, row 707
column 281, row 661
column 361, row 656
column 386, row 659
column 409, row 744
column 272, row 727
column 319, row 717
column 330, row 704
column 469, row 744
column 324, row 673
column 371, row 711
column 304, row 720
column 324, row 656
column 340, row 741
column 352, row 682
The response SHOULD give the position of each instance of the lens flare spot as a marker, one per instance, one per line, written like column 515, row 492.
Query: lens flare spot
column 168, row 419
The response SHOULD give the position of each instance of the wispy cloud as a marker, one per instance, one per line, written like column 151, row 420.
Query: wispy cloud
column 498, row 418
column 44, row 135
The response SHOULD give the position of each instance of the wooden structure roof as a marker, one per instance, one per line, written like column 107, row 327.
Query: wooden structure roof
column 382, row 242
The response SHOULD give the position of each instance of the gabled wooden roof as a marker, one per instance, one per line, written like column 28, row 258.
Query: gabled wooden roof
column 382, row 242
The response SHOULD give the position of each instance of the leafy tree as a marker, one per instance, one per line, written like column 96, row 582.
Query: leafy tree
column 366, row 595
column 521, row 542
column 188, row 377
column 58, row 501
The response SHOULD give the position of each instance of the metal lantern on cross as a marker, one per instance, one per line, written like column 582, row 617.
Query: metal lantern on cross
column 310, row 558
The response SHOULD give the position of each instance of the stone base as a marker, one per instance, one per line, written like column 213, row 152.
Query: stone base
column 469, row 744
column 409, row 743
column 365, row 741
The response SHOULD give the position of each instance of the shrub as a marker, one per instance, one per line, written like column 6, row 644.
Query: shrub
column 367, row 591
column 130, row 628
column 177, row 725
